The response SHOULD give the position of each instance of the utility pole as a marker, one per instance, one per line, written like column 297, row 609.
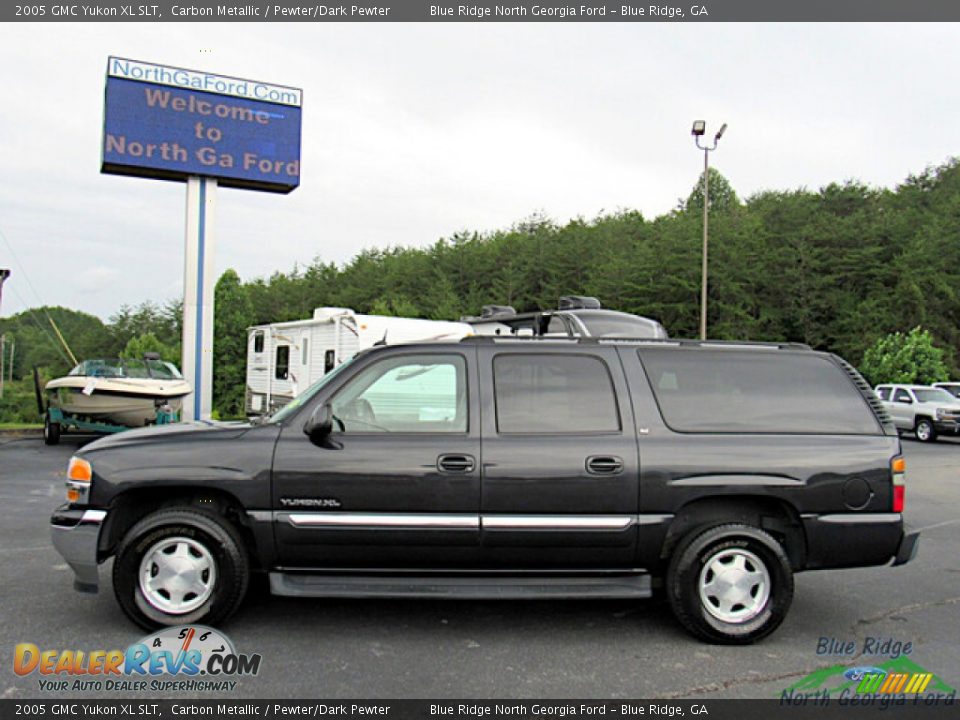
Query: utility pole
column 699, row 128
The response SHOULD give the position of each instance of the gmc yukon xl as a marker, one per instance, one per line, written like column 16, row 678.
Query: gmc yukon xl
column 508, row 468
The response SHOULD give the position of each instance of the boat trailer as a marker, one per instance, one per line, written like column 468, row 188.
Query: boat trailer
column 56, row 422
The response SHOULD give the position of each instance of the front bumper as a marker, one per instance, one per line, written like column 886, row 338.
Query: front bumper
column 76, row 535
column 858, row 540
column 947, row 427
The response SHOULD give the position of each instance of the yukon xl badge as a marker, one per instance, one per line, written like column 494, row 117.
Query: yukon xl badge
column 310, row 502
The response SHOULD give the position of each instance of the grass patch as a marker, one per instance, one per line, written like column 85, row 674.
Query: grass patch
column 21, row 426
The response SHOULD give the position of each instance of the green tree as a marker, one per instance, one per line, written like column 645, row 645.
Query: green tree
column 233, row 314
column 140, row 345
column 722, row 194
column 905, row 358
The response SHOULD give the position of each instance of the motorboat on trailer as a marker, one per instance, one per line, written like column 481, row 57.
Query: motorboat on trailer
column 120, row 391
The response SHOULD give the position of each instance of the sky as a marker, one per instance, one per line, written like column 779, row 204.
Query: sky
column 413, row 132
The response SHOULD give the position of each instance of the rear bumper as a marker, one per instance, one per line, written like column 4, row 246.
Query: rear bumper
column 857, row 540
column 76, row 535
column 907, row 550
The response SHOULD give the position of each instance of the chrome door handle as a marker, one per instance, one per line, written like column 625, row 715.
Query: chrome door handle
column 604, row 465
column 456, row 463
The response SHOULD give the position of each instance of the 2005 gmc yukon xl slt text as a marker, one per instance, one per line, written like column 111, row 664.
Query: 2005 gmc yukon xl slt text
column 508, row 469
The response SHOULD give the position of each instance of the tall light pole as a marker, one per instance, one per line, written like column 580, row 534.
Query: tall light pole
column 699, row 128
column 4, row 274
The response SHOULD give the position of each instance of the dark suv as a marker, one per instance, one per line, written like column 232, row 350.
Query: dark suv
column 506, row 468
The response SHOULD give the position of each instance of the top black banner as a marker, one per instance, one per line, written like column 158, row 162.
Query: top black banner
column 524, row 11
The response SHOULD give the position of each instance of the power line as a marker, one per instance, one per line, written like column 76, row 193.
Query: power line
column 43, row 305
column 30, row 312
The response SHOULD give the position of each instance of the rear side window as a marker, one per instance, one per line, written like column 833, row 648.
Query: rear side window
column 883, row 393
column 554, row 393
column 730, row 391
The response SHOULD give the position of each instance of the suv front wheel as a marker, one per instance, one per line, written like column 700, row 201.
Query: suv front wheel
column 179, row 566
column 924, row 430
column 730, row 584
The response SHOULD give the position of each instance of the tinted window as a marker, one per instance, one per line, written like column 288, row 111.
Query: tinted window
column 282, row 366
column 258, row 341
column 700, row 390
column 551, row 393
column 405, row 394
column 902, row 396
column 328, row 359
column 883, row 393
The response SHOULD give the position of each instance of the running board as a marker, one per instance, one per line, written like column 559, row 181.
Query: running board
column 485, row 587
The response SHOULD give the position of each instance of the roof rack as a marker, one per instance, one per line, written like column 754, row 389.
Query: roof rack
column 663, row 342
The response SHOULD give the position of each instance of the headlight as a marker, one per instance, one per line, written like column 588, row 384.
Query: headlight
column 79, row 476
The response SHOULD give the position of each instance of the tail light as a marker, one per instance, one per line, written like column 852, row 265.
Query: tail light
column 898, row 468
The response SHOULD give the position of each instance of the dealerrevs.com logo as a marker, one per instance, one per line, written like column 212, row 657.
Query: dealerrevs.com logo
column 175, row 659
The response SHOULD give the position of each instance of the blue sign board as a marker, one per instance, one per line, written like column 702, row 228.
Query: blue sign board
column 171, row 123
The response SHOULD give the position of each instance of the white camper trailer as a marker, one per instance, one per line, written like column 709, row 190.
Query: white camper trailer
column 284, row 359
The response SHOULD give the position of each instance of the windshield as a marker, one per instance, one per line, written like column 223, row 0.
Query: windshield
column 136, row 369
column 291, row 407
column 934, row 395
column 607, row 323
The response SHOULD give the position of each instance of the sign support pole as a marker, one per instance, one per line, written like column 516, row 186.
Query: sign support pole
column 199, row 279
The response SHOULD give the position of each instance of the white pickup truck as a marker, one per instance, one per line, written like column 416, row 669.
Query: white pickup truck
column 925, row 411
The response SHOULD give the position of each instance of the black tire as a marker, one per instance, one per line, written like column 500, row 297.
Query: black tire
column 51, row 431
column 705, row 546
column 200, row 528
column 924, row 430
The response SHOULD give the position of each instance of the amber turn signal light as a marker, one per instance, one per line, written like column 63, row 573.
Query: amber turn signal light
column 79, row 470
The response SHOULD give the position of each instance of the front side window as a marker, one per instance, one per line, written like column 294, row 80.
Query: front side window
column 406, row 394
column 929, row 395
column 757, row 391
column 902, row 396
column 554, row 393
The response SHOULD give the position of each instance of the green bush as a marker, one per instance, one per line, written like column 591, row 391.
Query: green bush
column 905, row 358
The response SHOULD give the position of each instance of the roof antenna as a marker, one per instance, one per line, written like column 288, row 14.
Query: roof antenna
column 381, row 341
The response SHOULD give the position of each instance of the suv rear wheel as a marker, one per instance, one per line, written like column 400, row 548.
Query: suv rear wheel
column 730, row 584
column 179, row 566
column 924, row 430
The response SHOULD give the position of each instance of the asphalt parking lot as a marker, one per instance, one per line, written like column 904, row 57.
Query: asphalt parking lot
column 534, row 649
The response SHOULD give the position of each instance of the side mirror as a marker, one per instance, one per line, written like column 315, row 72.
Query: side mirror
column 320, row 424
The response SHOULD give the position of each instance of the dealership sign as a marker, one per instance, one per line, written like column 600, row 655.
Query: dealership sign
column 170, row 123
